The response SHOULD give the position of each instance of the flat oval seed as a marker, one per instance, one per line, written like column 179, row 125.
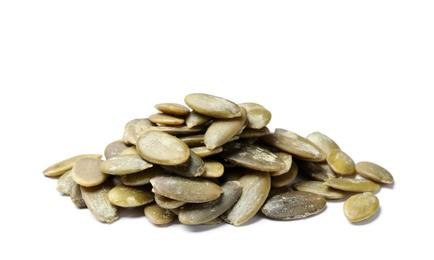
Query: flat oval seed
column 166, row 119
column 361, row 206
column 126, row 196
column 96, row 199
column 296, row 145
column 193, row 167
column 319, row 188
column 162, row 148
column 374, row 172
column 167, row 203
column 286, row 178
column 257, row 115
column 61, row 167
column 196, row 119
column 194, row 190
column 158, row 215
column 213, row 169
column 86, row 172
column 114, row 148
column 124, row 164
column 213, row 106
column 256, row 186
column 76, row 197
column 143, row 177
column 133, row 129
column 65, row 183
column 340, row 162
column 319, row 171
column 325, row 143
column 222, row 130
column 199, row 213
column 353, row 185
column 286, row 159
column 293, row 205
column 251, row 156
column 202, row 151
column 173, row 109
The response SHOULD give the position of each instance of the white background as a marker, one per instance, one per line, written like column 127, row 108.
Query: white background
column 72, row 73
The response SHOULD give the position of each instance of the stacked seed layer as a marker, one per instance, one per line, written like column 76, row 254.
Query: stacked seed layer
column 212, row 161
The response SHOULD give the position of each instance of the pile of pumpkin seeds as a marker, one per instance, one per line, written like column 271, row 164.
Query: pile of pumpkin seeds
column 215, row 161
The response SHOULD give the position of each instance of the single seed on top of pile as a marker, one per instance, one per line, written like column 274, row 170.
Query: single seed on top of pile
column 212, row 106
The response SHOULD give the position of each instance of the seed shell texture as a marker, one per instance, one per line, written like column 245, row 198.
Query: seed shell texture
column 361, row 206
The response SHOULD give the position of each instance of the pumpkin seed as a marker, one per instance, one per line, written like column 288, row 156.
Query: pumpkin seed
column 158, row 215
column 130, row 150
column 256, row 186
column 61, row 167
column 133, row 129
column 76, row 197
column 319, row 188
column 325, row 143
column 174, row 109
column 196, row 119
column 212, row 106
column 293, row 205
column 319, row 171
column 374, row 172
column 257, row 115
column 96, row 199
column 194, row 190
column 213, row 169
column 193, row 167
column 114, row 148
column 340, row 162
column 353, row 184
column 165, row 119
column 193, row 140
column 168, row 203
column 65, row 183
column 143, row 177
column 286, row 178
column 361, row 206
column 199, row 213
column 286, row 158
column 127, row 196
column 203, row 151
column 162, row 148
column 86, row 172
column 124, row 164
column 254, row 133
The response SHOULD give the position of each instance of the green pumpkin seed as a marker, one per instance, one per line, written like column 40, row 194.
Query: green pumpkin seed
column 193, row 140
column 319, row 171
column 162, row 148
column 293, row 205
column 166, row 119
column 133, row 129
column 353, row 185
column 257, row 115
column 212, row 106
column 127, row 196
column 256, row 186
column 96, row 199
column 203, row 151
column 325, row 143
column 168, row 203
column 374, row 172
column 194, row 190
column 319, row 188
column 61, row 167
column 286, row 178
column 86, row 172
column 213, row 169
column 193, row 167
column 174, row 109
column 199, row 213
column 340, row 162
column 286, row 158
column 124, row 164
column 361, row 206
column 158, row 215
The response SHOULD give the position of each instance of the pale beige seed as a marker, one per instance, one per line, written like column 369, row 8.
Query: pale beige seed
column 293, row 205
column 86, row 172
column 96, row 199
column 213, row 169
column 374, row 172
column 353, row 184
column 162, row 148
column 179, row 129
column 296, row 145
column 286, row 178
column 130, row 150
column 251, row 156
column 114, row 148
column 124, row 164
column 325, row 143
column 76, row 197
column 319, row 171
column 203, row 152
column 193, row 167
column 319, row 188
column 158, row 215
column 133, row 129
column 286, row 159
column 65, row 183
column 256, row 186
column 222, row 130
column 61, row 167
column 173, row 109
column 340, row 162
column 212, row 106
column 193, row 140
column 168, row 203
column 128, row 196
column 254, row 133
column 166, row 119
column 194, row 190
column 257, row 115
column 199, row 213
column 196, row 119
column 361, row 206
column 144, row 177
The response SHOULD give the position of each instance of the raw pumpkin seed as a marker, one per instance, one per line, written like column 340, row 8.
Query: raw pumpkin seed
column 168, row 203
column 325, row 143
column 286, row 178
column 124, row 164
column 174, row 109
column 133, row 129
column 319, row 188
column 319, row 171
column 212, row 106
column 86, row 172
column 203, row 151
column 65, row 183
column 196, row 119
column 340, row 162
column 165, row 119
column 361, row 206
column 76, row 197
column 158, row 215
column 143, row 177
column 61, row 167
column 257, row 115
column 353, row 184
column 213, row 169
column 114, row 148
column 127, row 196
column 96, row 199
column 193, row 167
column 374, row 172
